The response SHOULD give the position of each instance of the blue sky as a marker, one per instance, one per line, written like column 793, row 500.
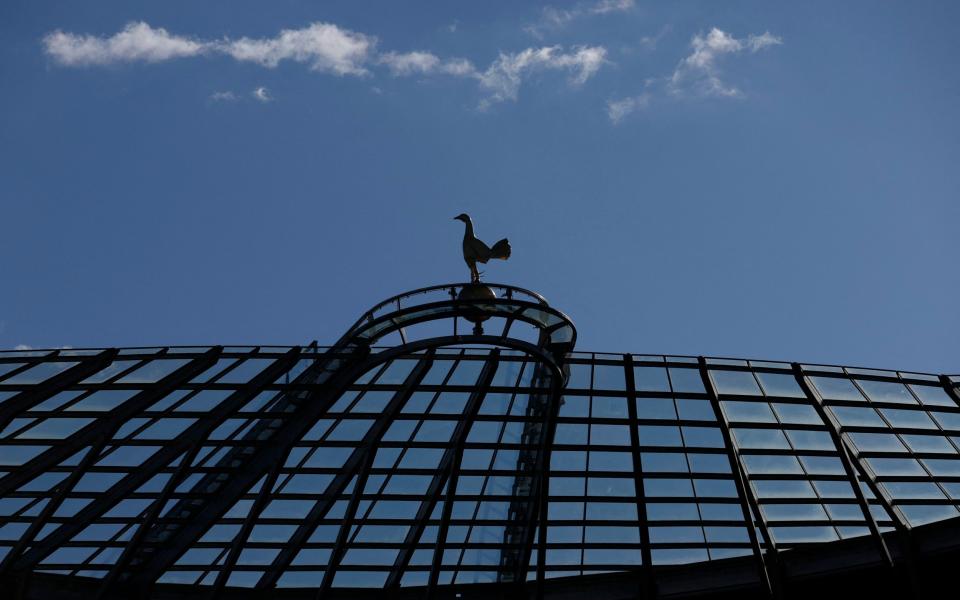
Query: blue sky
column 753, row 179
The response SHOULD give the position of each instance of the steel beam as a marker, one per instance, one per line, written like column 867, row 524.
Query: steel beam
column 355, row 464
column 648, row 588
column 848, row 466
column 457, row 441
column 748, row 500
column 100, row 433
column 300, row 413
column 88, row 435
column 27, row 399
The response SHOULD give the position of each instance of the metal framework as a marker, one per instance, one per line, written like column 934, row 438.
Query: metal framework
column 477, row 453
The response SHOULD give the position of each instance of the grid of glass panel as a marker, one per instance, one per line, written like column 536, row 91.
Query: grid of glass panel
column 794, row 465
column 905, row 430
column 423, row 471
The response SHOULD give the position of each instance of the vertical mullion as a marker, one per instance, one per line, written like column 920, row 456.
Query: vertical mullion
column 543, row 489
column 469, row 415
column 748, row 501
column 547, row 398
column 649, row 587
column 431, row 498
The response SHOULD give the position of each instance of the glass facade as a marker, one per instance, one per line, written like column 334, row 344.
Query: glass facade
column 217, row 468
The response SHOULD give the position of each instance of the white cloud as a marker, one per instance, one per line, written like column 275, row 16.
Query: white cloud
column 618, row 110
column 609, row 6
column 226, row 96
column 261, row 94
column 424, row 63
column 503, row 78
column 553, row 19
column 759, row 42
column 22, row 347
column 324, row 46
column 699, row 70
column 328, row 48
column 137, row 42
column 649, row 42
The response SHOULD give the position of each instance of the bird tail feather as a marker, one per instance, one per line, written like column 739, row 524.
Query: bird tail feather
column 501, row 250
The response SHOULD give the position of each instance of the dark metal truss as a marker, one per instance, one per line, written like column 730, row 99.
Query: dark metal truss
column 207, row 474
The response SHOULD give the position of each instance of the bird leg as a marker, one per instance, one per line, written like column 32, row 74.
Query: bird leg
column 474, row 274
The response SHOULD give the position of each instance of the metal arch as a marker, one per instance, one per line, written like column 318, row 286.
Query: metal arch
column 370, row 331
column 314, row 407
column 338, row 367
column 557, row 333
column 789, row 576
column 451, row 289
column 375, row 360
column 530, row 509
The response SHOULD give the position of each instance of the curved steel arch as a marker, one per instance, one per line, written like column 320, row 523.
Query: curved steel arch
column 448, row 463
column 327, row 378
column 450, row 289
column 558, row 327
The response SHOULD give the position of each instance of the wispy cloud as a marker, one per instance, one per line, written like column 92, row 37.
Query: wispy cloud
column 419, row 62
column 325, row 47
column 554, row 19
column 650, row 42
column 137, row 42
column 619, row 109
column 329, row 49
column 224, row 96
column 699, row 72
column 502, row 80
column 261, row 94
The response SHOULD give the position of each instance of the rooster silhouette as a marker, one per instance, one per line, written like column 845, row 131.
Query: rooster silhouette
column 475, row 251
